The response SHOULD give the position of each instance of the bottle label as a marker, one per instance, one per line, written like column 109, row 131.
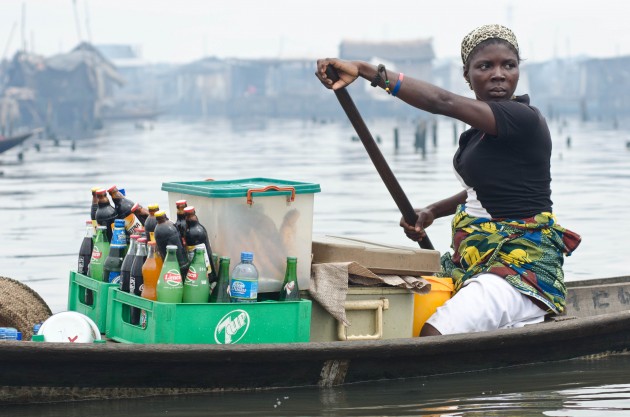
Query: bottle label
column 289, row 287
column 173, row 278
column 132, row 284
column 96, row 254
column 119, row 237
column 143, row 319
column 114, row 277
column 190, row 250
column 243, row 289
column 132, row 223
column 152, row 236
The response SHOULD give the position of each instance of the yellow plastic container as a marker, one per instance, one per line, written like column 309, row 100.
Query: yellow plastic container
column 425, row 305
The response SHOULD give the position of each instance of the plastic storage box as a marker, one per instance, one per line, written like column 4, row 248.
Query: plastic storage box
column 374, row 313
column 262, row 322
column 97, row 311
column 269, row 217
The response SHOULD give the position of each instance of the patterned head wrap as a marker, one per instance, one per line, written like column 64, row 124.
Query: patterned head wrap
column 484, row 33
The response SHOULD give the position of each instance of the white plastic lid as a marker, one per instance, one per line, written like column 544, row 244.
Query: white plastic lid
column 69, row 327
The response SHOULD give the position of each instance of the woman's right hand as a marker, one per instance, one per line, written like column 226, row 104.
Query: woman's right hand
column 348, row 71
column 417, row 232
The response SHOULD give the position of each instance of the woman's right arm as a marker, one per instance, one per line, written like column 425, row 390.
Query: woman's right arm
column 417, row 93
column 428, row 214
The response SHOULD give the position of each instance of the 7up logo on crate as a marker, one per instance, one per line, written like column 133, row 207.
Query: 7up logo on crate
column 232, row 327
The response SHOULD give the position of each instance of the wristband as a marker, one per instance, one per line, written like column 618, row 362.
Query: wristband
column 401, row 76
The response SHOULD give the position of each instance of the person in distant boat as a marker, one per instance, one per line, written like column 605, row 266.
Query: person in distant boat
column 508, row 247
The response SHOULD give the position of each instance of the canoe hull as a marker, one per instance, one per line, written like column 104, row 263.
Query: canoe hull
column 33, row 371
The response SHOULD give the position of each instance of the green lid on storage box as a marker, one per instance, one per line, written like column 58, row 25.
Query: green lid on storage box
column 239, row 188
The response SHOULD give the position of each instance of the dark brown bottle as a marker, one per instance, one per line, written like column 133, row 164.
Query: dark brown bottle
column 125, row 207
column 105, row 213
column 136, row 280
column 166, row 234
column 151, row 222
column 180, row 222
column 197, row 235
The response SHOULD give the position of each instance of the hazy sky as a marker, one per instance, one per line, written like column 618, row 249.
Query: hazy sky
column 186, row 30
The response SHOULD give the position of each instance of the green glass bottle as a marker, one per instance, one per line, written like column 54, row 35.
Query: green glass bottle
column 220, row 293
column 100, row 251
column 170, row 288
column 290, row 290
column 196, row 286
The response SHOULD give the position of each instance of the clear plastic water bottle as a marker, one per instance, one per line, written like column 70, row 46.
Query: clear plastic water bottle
column 244, row 280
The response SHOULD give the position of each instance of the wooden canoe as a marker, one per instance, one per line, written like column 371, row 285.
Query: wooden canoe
column 597, row 323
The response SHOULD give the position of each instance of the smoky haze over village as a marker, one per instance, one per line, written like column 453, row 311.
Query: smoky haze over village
column 70, row 67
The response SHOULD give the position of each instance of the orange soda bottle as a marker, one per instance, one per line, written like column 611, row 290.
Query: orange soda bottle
column 151, row 271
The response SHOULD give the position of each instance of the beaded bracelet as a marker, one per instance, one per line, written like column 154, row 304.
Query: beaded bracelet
column 401, row 76
column 377, row 78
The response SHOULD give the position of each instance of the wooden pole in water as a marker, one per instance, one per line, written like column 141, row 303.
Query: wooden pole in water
column 394, row 188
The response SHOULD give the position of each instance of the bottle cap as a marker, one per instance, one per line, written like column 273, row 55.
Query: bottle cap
column 122, row 191
column 247, row 256
column 111, row 189
column 95, row 189
column 101, row 227
column 142, row 240
column 151, row 243
column 160, row 213
column 119, row 223
column 88, row 222
column 171, row 247
column 153, row 207
column 224, row 258
column 180, row 203
column 135, row 207
column 135, row 237
column 189, row 209
column 101, row 191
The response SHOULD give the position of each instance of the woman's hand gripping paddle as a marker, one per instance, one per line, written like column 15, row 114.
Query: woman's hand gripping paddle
column 397, row 193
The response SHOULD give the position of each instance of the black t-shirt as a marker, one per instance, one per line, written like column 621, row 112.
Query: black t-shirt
column 507, row 175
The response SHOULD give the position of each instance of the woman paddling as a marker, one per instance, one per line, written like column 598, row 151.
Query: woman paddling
column 508, row 248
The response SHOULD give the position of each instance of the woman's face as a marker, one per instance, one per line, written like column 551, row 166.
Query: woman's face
column 493, row 72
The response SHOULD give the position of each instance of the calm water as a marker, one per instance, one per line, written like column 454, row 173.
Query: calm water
column 45, row 200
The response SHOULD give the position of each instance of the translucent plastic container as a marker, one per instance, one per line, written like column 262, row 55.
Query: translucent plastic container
column 269, row 217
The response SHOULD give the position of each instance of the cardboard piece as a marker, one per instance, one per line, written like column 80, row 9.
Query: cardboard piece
column 377, row 257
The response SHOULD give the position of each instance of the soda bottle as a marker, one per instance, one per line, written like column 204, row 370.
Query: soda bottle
column 244, row 280
column 290, row 290
column 100, row 251
column 196, row 287
column 151, row 222
column 105, row 213
column 125, row 268
column 197, row 237
column 135, row 279
column 94, row 205
column 85, row 253
column 169, row 287
column 125, row 209
column 166, row 234
column 117, row 250
column 119, row 234
column 180, row 223
column 221, row 291
column 141, row 232
column 151, row 271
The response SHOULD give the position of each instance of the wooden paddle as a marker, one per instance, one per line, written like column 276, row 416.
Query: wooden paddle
column 394, row 188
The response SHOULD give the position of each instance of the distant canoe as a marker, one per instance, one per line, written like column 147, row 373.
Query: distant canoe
column 10, row 142
column 598, row 322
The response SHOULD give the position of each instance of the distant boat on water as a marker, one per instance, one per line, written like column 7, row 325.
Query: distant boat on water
column 7, row 143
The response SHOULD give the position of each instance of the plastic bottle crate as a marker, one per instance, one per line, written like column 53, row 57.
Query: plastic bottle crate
column 220, row 323
column 97, row 311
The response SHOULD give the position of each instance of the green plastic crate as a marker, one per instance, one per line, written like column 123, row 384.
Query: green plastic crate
column 97, row 311
column 262, row 322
